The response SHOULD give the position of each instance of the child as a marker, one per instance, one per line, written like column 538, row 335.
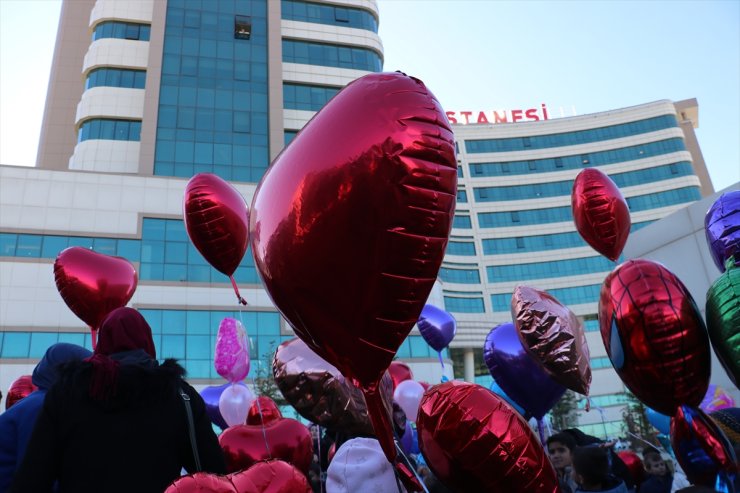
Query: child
column 560, row 448
column 591, row 471
column 659, row 478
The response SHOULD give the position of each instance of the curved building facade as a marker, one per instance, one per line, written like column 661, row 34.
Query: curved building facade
column 514, row 225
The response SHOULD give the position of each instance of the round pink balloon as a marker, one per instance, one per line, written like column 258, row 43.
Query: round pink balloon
column 234, row 404
column 231, row 357
column 408, row 395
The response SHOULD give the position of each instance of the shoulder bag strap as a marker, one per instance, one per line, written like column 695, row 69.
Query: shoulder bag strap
column 191, row 427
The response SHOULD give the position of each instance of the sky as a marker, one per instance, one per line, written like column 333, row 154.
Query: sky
column 587, row 56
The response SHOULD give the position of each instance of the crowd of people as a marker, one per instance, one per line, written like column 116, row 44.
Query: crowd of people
column 118, row 420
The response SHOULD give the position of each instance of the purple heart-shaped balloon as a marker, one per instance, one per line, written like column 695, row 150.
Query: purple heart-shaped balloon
column 722, row 227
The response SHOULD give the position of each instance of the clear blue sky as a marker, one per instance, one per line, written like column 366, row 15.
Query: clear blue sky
column 591, row 55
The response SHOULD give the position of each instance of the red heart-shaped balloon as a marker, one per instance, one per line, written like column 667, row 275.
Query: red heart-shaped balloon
column 655, row 335
column 273, row 476
column 263, row 409
column 473, row 440
column 287, row 439
column 600, row 212
column 217, row 221
column 93, row 284
column 349, row 225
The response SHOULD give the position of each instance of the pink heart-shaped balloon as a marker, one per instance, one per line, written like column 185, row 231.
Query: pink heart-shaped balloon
column 93, row 284
column 273, row 476
column 349, row 225
column 284, row 438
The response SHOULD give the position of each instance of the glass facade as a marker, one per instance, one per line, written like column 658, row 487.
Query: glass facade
column 213, row 100
column 564, row 214
column 464, row 276
column 545, row 270
column 331, row 55
column 561, row 188
column 567, row 296
column 460, row 248
column 305, row 97
column 164, row 252
column 461, row 222
column 464, row 305
column 556, row 241
column 572, row 138
column 116, row 77
column 109, row 129
column 599, row 158
column 333, row 15
column 121, row 30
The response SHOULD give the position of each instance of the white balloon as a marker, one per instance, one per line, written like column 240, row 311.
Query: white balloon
column 234, row 404
column 408, row 395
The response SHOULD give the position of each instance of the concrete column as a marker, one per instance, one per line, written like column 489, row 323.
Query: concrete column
column 469, row 365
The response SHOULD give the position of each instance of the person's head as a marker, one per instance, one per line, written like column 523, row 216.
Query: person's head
column 47, row 370
column 360, row 466
column 654, row 462
column 560, row 447
column 399, row 420
column 590, row 466
column 125, row 329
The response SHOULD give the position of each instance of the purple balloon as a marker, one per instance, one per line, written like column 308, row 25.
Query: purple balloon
column 722, row 226
column 518, row 373
column 211, row 396
column 437, row 327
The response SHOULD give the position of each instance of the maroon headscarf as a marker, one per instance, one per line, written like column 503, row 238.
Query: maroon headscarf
column 124, row 329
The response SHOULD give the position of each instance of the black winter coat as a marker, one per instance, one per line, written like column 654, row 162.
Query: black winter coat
column 137, row 441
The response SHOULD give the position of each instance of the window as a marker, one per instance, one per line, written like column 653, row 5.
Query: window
column 514, row 216
column 109, row 129
column 242, row 27
column 558, row 162
column 121, row 30
column 585, row 159
column 526, row 142
column 520, row 242
column 532, row 165
column 341, row 14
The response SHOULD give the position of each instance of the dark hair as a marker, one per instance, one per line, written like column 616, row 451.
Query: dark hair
column 592, row 463
column 564, row 438
column 652, row 454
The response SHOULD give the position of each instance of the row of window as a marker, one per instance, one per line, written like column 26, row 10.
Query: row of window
column 561, row 188
column 460, row 248
column 464, row 305
column 164, row 253
column 599, row 363
column 190, row 336
column 213, row 101
column 460, row 276
column 243, row 22
column 546, row 270
column 121, row 30
column 116, row 77
column 462, row 196
column 295, row 10
column 330, row 55
column 567, row 296
column 578, row 161
column 109, row 129
column 605, row 430
column 306, row 97
column 562, row 214
column 609, row 399
column 571, row 138
column 537, row 243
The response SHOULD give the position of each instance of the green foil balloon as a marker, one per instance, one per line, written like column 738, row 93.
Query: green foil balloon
column 723, row 319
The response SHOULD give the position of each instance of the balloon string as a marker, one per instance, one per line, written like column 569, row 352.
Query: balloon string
column 321, row 465
column 236, row 290
column 262, row 422
column 441, row 361
column 408, row 464
column 588, row 404
column 541, row 430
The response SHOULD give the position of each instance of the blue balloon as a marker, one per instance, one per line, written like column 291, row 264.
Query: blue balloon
column 437, row 327
column 661, row 422
column 496, row 389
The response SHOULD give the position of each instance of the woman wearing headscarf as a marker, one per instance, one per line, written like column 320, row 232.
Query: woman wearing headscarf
column 117, row 422
column 16, row 424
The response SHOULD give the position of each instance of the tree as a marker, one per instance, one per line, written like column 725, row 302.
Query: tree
column 564, row 414
column 264, row 382
column 636, row 423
